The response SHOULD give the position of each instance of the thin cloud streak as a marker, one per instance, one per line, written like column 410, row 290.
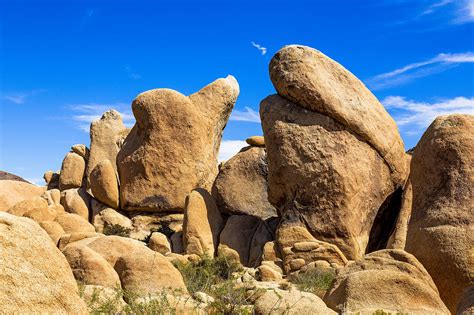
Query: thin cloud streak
column 248, row 115
column 415, row 70
column 22, row 97
column 414, row 117
column 262, row 49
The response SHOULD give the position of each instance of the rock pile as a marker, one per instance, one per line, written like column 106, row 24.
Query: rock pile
column 327, row 191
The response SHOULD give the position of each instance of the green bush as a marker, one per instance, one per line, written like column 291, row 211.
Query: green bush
column 314, row 281
column 116, row 229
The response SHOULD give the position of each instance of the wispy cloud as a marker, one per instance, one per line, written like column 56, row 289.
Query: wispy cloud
column 132, row 74
column 416, row 70
column 435, row 6
column 229, row 148
column 20, row 97
column 84, row 114
column 246, row 115
column 413, row 117
column 465, row 12
column 262, row 49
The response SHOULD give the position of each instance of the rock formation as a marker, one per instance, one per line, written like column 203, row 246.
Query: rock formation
column 335, row 159
column 241, row 186
column 173, row 146
column 442, row 179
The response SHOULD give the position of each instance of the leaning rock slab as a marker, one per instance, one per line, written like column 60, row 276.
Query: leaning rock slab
column 35, row 276
column 440, row 231
column 388, row 280
column 104, row 185
column 173, row 146
column 317, row 83
column 241, row 186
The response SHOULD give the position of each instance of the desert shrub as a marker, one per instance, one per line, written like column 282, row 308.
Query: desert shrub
column 116, row 229
column 314, row 281
column 201, row 275
column 229, row 299
column 98, row 303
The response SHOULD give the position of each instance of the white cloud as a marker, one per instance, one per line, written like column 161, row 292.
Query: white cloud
column 246, row 115
column 465, row 12
column 433, row 7
column 20, row 98
column 229, row 148
column 416, row 70
column 262, row 49
column 87, row 113
column 413, row 117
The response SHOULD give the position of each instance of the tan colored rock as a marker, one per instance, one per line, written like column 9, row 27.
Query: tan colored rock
column 90, row 267
column 76, row 201
column 72, row 171
column 326, row 177
column 82, row 150
column 13, row 191
column 314, row 81
column 244, row 237
column 37, row 204
column 109, row 216
column 241, row 185
column 277, row 301
column 44, row 214
column 161, row 160
column 54, row 230
column 202, row 224
column 256, row 141
column 268, row 273
column 440, row 231
column 52, row 196
column 388, row 280
column 78, row 238
column 398, row 238
column 35, row 276
column 271, row 252
column 72, row 223
column 104, row 185
column 107, row 135
column 52, row 179
column 146, row 272
column 146, row 223
column 159, row 243
column 113, row 247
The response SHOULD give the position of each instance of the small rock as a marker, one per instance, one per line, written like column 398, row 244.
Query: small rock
column 256, row 141
column 159, row 243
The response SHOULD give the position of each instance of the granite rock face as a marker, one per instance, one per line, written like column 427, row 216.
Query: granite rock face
column 173, row 146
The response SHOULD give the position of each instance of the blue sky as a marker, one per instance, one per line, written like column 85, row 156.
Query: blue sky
column 62, row 63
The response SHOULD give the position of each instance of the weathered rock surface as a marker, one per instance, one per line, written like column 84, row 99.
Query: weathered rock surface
column 113, row 247
column 35, row 276
column 202, row 224
column 466, row 305
column 388, row 280
column 440, row 231
column 324, row 175
column 104, row 185
column 241, row 185
column 277, row 301
column 76, row 201
column 52, row 179
column 13, row 192
column 146, row 272
column 162, row 160
column 108, row 217
column 73, row 223
column 54, row 230
column 159, row 243
column 243, row 238
column 32, row 204
column 72, row 171
column 256, row 141
column 319, row 84
column 82, row 150
column 107, row 134
column 90, row 267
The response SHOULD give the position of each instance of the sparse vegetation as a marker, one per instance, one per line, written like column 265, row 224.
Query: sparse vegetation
column 116, row 229
column 314, row 281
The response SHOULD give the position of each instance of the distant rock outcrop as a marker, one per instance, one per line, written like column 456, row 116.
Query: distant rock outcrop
column 173, row 146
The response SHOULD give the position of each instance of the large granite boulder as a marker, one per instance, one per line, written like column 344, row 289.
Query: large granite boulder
column 241, row 186
column 107, row 134
column 103, row 183
column 14, row 191
column 392, row 281
column 72, row 171
column 342, row 182
column 173, row 146
column 34, row 275
column 440, row 230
